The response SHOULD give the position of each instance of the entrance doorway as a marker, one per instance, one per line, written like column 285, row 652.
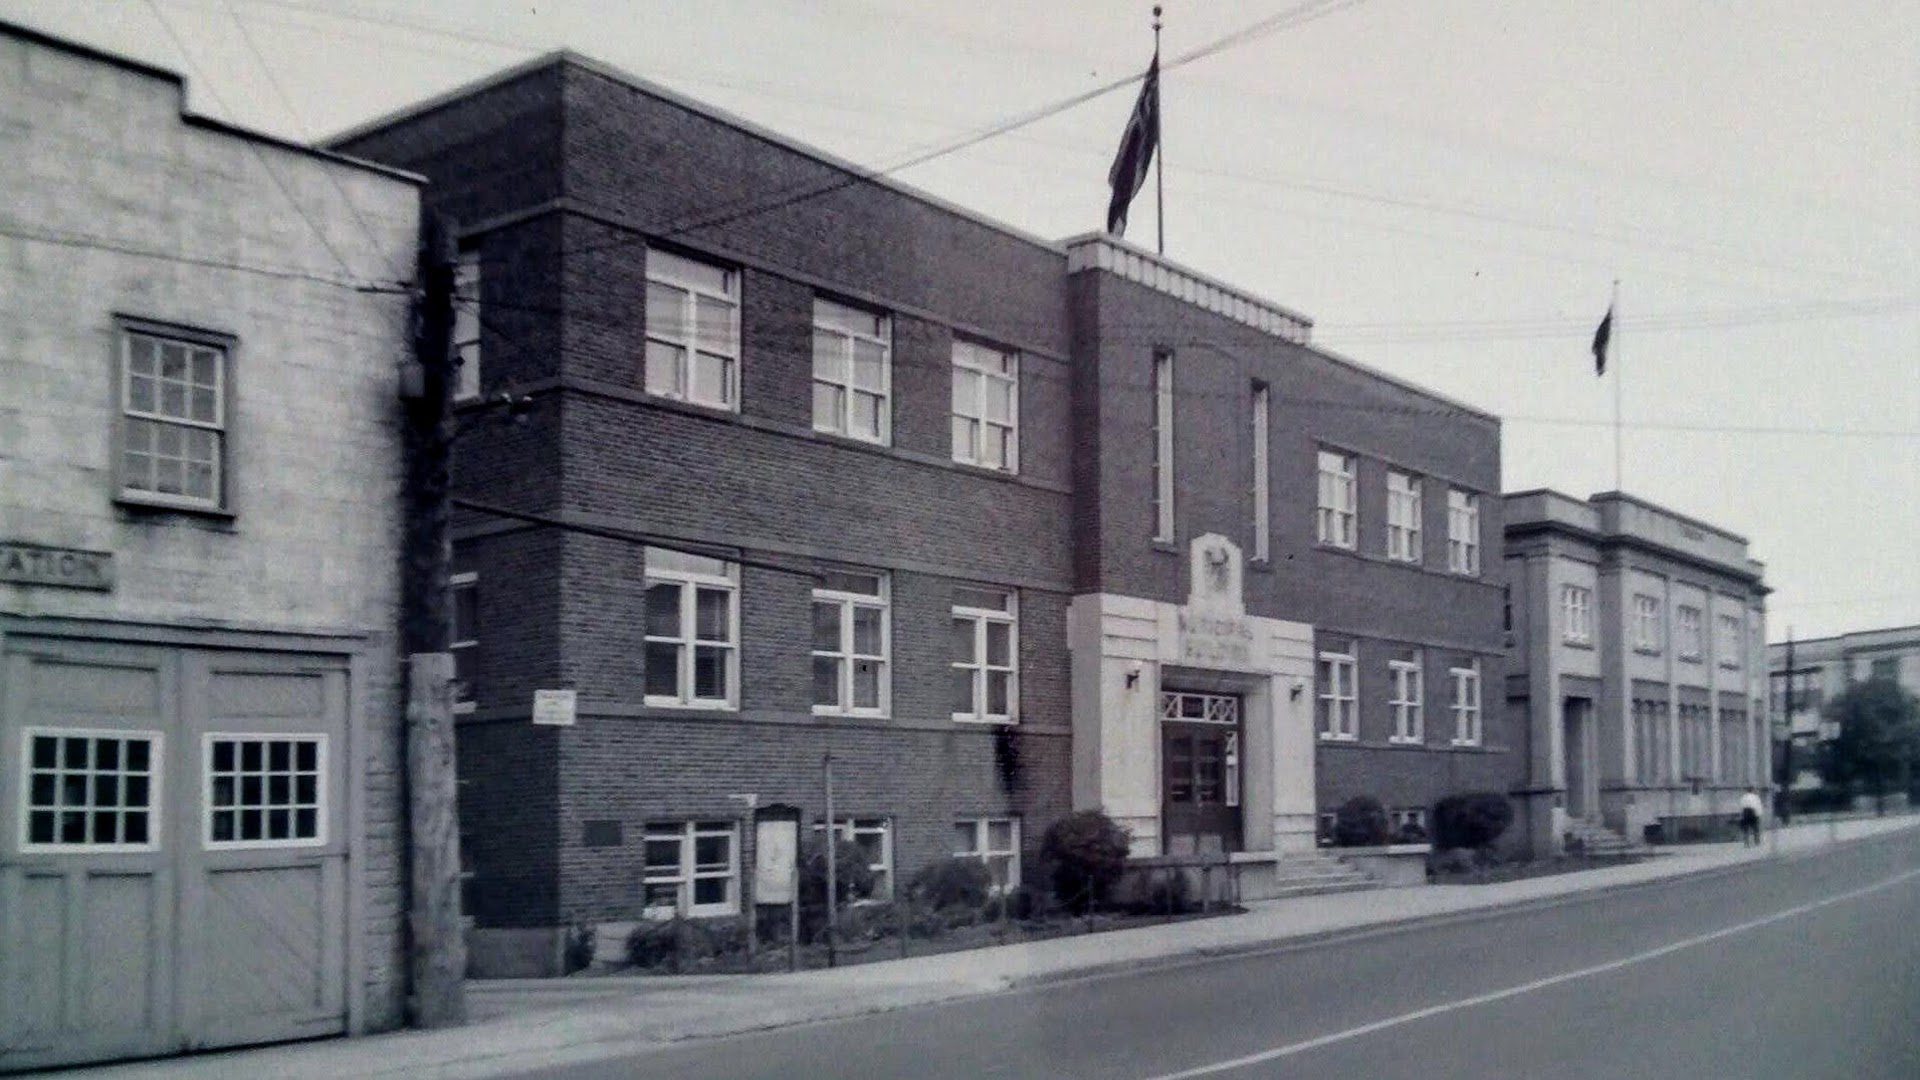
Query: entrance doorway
column 1577, row 716
column 1200, row 741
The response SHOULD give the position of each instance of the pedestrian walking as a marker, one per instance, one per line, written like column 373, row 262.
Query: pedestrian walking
column 1750, row 808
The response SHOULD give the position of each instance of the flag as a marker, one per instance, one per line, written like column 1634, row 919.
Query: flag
column 1601, row 338
column 1137, row 146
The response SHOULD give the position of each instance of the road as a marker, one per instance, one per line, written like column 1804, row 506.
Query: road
column 1808, row 967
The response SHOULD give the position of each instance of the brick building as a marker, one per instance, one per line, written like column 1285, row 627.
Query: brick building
column 1817, row 670
column 199, row 571
column 820, row 464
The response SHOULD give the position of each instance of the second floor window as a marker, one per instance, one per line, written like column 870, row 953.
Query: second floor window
column 466, row 326
column 1262, row 484
column 852, row 371
column 986, row 406
column 984, row 650
column 1338, row 693
column 850, row 643
column 693, row 630
column 1576, row 614
column 1403, row 517
column 693, row 331
column 1466, row 703
column 1730, row 641
column 1686, row 623
column 173, row 400
column 1335, row 517
column 1409, row 723
column 466, row 637
column 1463, row 532
column 1646, row 623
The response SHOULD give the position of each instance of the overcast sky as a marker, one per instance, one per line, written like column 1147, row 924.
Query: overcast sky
column 1447, row 187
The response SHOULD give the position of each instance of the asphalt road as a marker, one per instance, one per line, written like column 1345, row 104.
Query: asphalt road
column 1808, row 967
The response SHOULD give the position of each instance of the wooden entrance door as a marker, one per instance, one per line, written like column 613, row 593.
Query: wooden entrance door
column 1200, row 773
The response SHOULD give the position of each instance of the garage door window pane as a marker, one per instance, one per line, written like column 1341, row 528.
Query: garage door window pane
column 265, row 790
column 87, row 790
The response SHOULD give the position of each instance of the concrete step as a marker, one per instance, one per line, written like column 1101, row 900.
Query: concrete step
column 1286, row 891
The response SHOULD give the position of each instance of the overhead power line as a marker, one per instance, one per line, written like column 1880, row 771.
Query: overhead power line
column 127, row 247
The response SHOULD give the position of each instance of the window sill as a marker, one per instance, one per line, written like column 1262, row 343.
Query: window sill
column 986, row 721
column 1167, row 547
column 851, row 714
column 1405, row 740
column 1465, row 744
column 974, row 466
column 1572, row 644
column 689, row 706
column 160, row 504
column 1642, row 650
column 829, row 435
column 1332, row 737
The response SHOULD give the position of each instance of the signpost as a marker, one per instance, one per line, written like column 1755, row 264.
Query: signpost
column 554, row 708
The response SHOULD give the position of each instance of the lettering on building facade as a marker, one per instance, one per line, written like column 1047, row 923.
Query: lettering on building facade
column 1214, row 640
column 66, row 568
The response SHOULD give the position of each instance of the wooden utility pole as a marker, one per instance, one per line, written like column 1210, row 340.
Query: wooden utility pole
column 436, row 946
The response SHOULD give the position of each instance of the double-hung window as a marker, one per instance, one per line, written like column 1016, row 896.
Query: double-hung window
column 693, row 331
column 1576, row 614
column 986, row 406
column 692, row 868
column 850, row 643
column 1646, row 623
column 1409, row 722
column 1730, row 640
column 465, row 643
column 1339, row 673
column 1687, row 632
column 1466, row 703
column 874, row 838
column 852, row 371
column 1262, row 481
column 693, row 630
column 1403, row 517
column 466, row 326
column 995, row 842
column 985, row 651
column 89, row 790
column 173, row 422
column 1463, row 532
column 1335, row 519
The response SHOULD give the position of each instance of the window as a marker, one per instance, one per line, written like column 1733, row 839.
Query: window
column 693, row 331
column 1463, row 532
column 693, row 630
column 1163, row 447
column 1730, row 641
column 466, row 327
column 1403, row 517
column 1326, row 820
column 1408, row 723
column 1686, row 622
column 1336, row 514
column 173, row 401
column 852, row 371
column 874, row 837
column 1576, row 609
column 1409, row 824
column 1696, row 753
column 466, row 637
column 266, row 790
column 1466, row 703
column 995, row 842
column 1262, row 486
column 986, row 406
column 1338, row 674
column 850, row 643
column 1651, row 751
column 1733, row 747
column 89, row 790
column 985, row 650
column 1885, row 668
column 1646, row 623
column 692, row 869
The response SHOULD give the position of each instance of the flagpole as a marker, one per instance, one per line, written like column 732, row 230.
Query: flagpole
column 1614, row 307
column 1160, row 152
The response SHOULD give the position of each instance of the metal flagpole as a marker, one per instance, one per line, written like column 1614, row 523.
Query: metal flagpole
column 1160, row 147
column 1613, row 306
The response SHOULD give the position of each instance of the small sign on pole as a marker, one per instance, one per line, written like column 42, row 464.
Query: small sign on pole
column 554, row 708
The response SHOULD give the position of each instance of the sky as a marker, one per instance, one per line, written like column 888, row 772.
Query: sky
column 1449, row 189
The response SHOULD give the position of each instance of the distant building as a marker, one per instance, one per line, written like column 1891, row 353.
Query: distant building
column 1822, row 669
column 200, row 463
column 1637, row 664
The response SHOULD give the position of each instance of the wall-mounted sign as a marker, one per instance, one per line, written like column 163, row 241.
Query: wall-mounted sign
column 1214, row 640
column 553, row 707
column 776, row 850
column 67, row 568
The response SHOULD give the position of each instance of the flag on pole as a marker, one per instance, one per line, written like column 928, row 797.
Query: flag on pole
column 1137, row 147
column 1602, row 337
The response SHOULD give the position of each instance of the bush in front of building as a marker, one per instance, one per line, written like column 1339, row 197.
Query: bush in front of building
column 680, row 944
column 853, row 873
column 955, row 882
column 1472, row 820
column 1085, row 853
column 1361, row 822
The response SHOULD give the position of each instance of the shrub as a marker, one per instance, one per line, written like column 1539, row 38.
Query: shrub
column 580, row 946
column 952, row 882
column 853, row 873
column 1471, row 820
column 1452, row 862
column 1360, row 822
column 1086, row 853
column 1410, row 833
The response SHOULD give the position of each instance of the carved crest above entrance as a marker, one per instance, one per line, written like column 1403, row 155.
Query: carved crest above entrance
column 1214, row 578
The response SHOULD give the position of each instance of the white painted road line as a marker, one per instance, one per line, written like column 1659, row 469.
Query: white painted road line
column 1291, row 1049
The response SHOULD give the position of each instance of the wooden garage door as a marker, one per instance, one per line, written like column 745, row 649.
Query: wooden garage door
column 172, row 849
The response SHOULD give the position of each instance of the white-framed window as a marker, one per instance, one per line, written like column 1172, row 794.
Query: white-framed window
column 1646, row 623
column 1339, row 693
column 1576, row 611
column 995, row 842
column 466, row 326
column 173, row 422
column 1262, row 481
column 692, row 868
column 693, row 630
column 851, row 643
column 1466, row 703
column 1336, row 516
column 1463, row 531
column 1730, row 641
column 1688, row 639
column 852, row 371
column 89, row 790
column 1163, row 447
column 464, row 599
column 874, row 838
column 986, row 406
column 1403, row 516
column 1409, row 721
column 1405, row 818
column 693, row 331
column 986, row 647
column 264, row 790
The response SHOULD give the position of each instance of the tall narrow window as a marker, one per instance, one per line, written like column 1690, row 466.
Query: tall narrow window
column 1730, row 640
column 466, row 326
column 1687, row 632
column 850, row 643
column 173, row 401
column 852, row 371
column 1646, row 623
column 1463, row 532
column 986, row 406
column 466, row 637
column 1466, row 703
column 693, row 630
column 1335, row 516
column 985, row 647
column 1409, row 723
column 1403, row 517
column 1262, row 487
column 1576, row 614
column 1338, row 693
column 1163, row 447
column 693, row 331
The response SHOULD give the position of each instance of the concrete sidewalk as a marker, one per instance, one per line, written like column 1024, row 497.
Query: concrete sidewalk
column 525, row 1024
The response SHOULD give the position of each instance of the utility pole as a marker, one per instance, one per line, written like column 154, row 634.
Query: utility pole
column 436, row 947
column 1786, row 751
column 833, row 852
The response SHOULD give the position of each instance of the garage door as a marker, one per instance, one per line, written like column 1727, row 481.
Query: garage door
column 172, row 849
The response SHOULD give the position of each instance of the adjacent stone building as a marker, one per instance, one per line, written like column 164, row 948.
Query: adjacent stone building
column 200, row 826
column 1819, row 669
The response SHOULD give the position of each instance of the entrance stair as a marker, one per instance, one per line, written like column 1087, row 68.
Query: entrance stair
column 1597, row 839
column 1311, row 873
